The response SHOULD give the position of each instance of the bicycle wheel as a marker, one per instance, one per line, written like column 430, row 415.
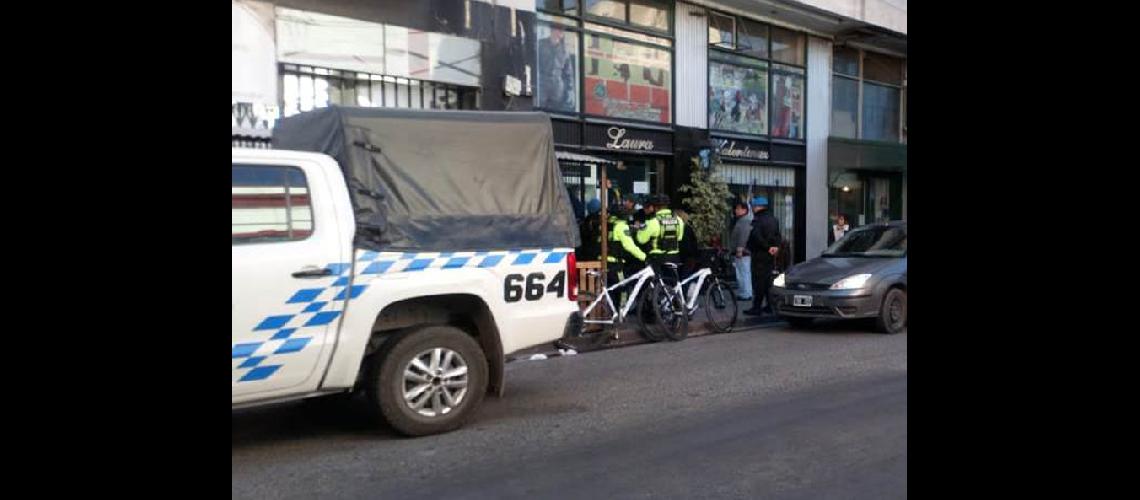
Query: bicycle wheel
column 647, row 321
column 669, row 310
column 720, row 305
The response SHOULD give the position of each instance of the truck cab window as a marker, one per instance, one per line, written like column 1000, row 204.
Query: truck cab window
column 269, row 204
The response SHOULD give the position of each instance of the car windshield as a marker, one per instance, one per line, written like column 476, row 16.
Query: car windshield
column 872, row 241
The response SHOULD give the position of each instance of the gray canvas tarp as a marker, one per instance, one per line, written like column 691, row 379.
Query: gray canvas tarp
column 442, row 180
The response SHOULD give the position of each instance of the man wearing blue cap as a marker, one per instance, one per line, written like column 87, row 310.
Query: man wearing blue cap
column 764, row 244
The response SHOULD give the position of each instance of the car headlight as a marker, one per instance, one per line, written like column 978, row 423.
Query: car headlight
column 779, row 281
column 851, row 282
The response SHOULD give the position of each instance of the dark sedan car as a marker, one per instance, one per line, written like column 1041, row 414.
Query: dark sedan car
column 863, row 275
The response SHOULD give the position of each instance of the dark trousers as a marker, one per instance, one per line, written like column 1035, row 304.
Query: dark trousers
column 761, row 280
column 658, row 259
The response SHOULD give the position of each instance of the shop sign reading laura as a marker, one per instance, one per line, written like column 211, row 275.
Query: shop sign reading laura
column 729, row 149
column 619, row 141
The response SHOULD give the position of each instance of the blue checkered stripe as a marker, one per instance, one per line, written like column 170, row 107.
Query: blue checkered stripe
column 378, row 263
column 291, row 329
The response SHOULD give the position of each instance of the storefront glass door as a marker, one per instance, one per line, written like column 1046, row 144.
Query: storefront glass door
column 846, row 198
column 884, row 198
column 637, row 177
column 781, row 194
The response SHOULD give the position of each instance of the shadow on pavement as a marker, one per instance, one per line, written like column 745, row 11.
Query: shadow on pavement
column 303, row 420
column 839, row 326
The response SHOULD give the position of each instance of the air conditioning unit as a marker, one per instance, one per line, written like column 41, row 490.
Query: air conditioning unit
column 512, row 86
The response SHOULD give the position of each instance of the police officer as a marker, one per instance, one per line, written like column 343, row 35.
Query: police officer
column 635, row 214
column 623, row 255
column 663, row 231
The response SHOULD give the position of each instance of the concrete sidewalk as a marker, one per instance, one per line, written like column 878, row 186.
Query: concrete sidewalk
column 629, row 334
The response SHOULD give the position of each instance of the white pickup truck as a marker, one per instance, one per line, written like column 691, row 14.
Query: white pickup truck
column 403, row 254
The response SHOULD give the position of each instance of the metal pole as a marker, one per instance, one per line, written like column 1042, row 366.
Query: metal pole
column 604, row 219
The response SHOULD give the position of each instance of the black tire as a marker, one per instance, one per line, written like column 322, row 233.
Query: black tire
column 720, row 305
column 795, row 322
column 647, row 321
column 669, row 311
column 385, row 383
column 892, row 315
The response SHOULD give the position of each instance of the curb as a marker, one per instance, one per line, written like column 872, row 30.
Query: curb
column 630, row 336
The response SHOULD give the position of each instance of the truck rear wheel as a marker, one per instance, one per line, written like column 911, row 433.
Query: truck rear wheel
column 428, row 380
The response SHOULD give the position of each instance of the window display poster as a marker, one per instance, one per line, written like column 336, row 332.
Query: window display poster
column 738, row 98
column 625, row 80
column 557, row 69
column 787, row 106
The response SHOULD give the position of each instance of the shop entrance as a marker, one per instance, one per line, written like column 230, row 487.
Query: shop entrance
column 634, row 176
column 865, row 197
column 778, row 184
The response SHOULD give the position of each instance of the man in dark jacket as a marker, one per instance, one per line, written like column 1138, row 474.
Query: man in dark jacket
column 590, row 230
column 690, row 247
column 764, row 243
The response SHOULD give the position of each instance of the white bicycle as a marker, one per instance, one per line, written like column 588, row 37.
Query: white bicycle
column 659, row 301
column 717, row 299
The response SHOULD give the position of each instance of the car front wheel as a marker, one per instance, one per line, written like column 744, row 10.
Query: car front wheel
column 892, row 316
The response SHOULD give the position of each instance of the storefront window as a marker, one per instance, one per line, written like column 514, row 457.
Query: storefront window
column 304, row 88
column 631, row 35
column 626, row 80
column 879, row 196
column 738, row 96
column 569, row 7
column 722, row 30
column 846, row 198
column 844, row 107
column 649, row 13
column 882, row 68
column 747, row 94
column 788, row 46
column 753, row 39
column 870, row 95
column 788, row 103
column 612, row 9
column 628, row 71
column 557, row 68
column 846, row 61
column 864, row 197
column 880, row 112
column 904, row 110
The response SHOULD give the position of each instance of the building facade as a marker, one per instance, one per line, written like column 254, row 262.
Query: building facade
column 804, row 102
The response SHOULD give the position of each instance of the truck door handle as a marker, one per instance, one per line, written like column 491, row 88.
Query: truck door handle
column 313, row 272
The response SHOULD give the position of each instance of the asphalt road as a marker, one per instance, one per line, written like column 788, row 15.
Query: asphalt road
column 765, row 413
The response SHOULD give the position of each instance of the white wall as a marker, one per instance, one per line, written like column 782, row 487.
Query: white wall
column 523, row 5
column 692, row 35
column 890, row 14
column 253, row 65
column 337, row 42
column 818, row 130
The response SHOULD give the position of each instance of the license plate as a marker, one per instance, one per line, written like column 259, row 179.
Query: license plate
column 801, row 300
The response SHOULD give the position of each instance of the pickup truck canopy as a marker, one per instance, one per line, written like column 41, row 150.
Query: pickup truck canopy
column 423, row 180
